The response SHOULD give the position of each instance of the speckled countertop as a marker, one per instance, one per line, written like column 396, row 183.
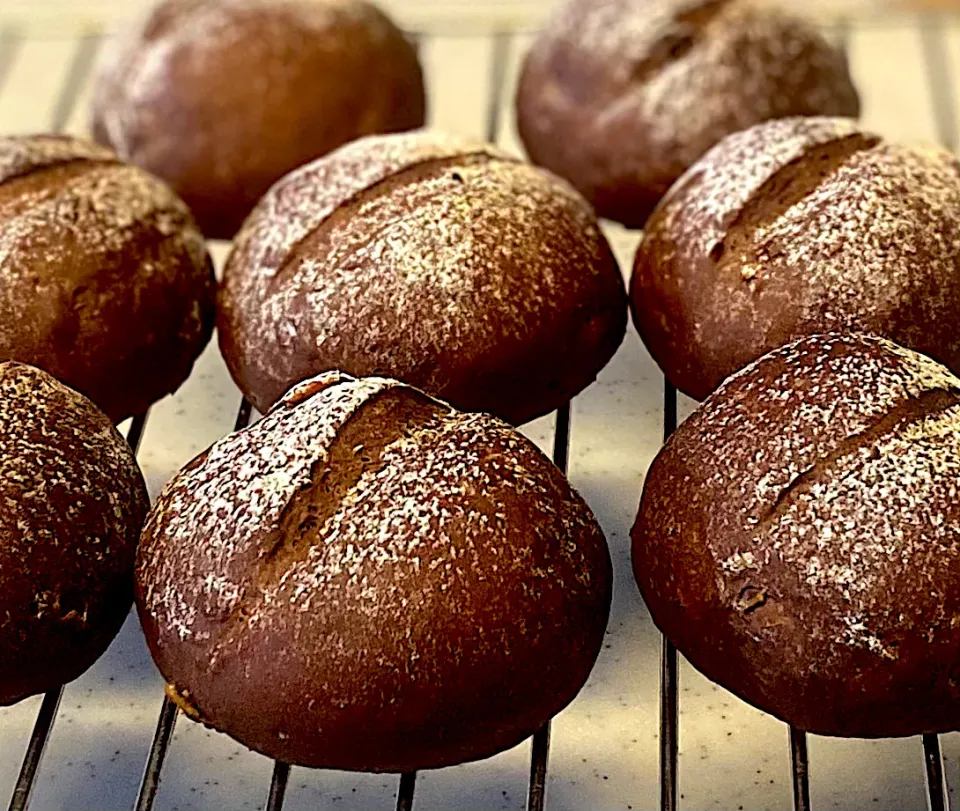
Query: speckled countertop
column 604, row 746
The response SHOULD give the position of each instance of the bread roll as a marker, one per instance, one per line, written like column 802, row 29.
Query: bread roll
column 105, row 281
column 799, row 538
column 797, row 227
column 621, row 96
column 72, row 502
column 223, row 97
column 438, row 261
column 367, row 579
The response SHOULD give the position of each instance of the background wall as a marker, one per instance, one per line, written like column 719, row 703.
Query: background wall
column 516, row 12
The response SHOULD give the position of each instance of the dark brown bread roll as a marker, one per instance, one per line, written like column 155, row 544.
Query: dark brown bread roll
column 72, row 502
column 223, row 97
column 105, row 281
column 367, row 579
column 797, row 227
column 434, row 260
column 621, row 96
column 799, row 538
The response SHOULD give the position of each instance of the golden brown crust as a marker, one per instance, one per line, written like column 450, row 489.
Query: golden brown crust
column 795, row 227
column 178, row 97
column 621, row 96
column 367, row 562
column 105, row 281
column 799, row 538
column 72, row 502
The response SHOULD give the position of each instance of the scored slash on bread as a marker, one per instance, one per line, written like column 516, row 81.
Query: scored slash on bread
column 368, row 579
column 649, row 86
column 799, row 537
column 315, row 74
column 795, row 227
column 432, row 259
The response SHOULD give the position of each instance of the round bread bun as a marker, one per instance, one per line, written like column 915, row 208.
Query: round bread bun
column 221, row 98
column 72, row 501
column 434, row 260
column 621, row 96
column 799, row 538
column 797, row 227
column 105, row 281
column 369, row 580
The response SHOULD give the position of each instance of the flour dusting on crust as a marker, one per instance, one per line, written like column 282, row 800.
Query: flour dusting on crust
column 431, row 503
column 883, row 507
column 24, row 154
column 424, row 246
column 653, row 84
column 300, row 202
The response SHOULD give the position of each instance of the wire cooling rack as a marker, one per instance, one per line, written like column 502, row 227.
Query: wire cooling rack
column 908, row 75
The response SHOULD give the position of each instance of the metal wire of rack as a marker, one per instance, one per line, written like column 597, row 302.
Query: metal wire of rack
column 51, row 701
column 935, row 50
column 936, row 59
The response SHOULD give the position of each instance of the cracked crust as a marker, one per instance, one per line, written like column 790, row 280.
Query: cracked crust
column 814, row 569
column 367, row 563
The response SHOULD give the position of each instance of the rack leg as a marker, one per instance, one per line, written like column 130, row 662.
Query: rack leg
column 158, row 751
column 537, row 792
column 278, row 786
column 669, row 693
column 669, row 738
column 408, row 782
column 35, row 749
column 936, row 787
column 801, row 769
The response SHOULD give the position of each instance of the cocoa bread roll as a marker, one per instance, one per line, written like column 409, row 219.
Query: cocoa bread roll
column 369, row 580
column 223, row 97
column 796, row 227
column 799, row 538
column 621, row 96
column 105, row 281
column 72, row 502
column 435, row 260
